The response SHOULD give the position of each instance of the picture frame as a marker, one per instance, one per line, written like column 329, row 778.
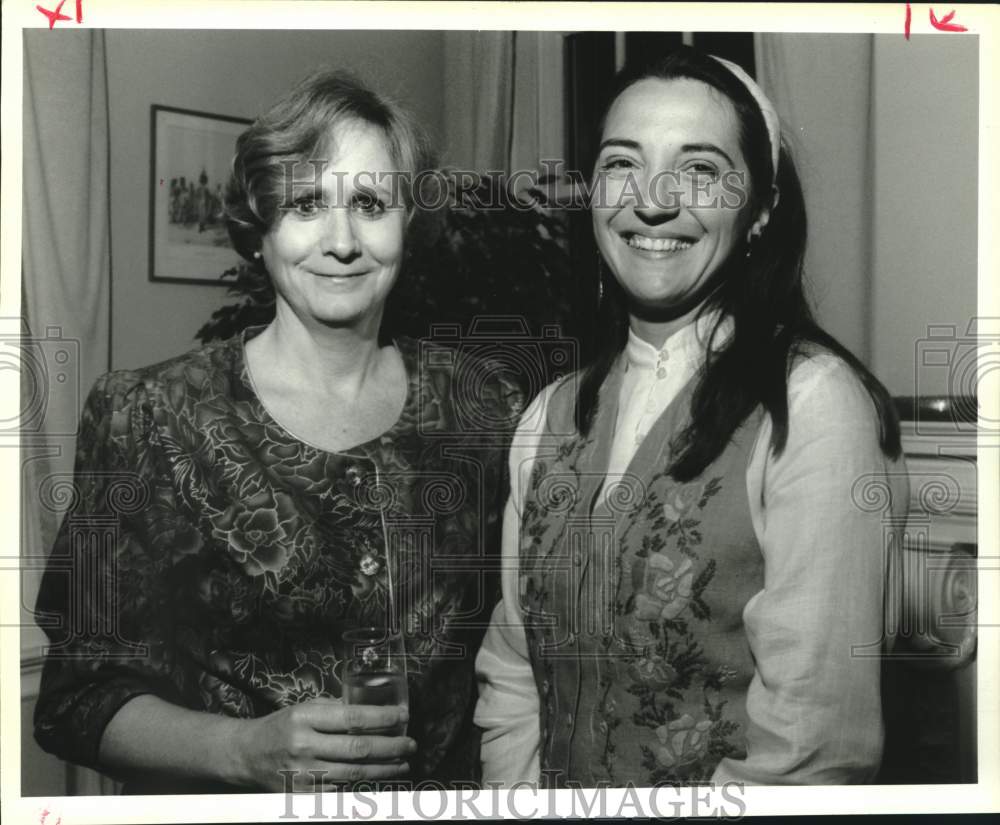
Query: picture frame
column 190, row 157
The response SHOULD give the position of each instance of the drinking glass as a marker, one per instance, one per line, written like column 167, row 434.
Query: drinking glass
column 375, row 670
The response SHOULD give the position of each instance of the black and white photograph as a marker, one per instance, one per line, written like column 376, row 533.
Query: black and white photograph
column 189, row 164
column 594, row 412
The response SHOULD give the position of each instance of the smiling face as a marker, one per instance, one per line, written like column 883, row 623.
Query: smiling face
column 673, row 192
column 334, row 256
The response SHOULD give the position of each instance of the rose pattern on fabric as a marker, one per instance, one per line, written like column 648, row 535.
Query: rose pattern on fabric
column 258, row 532
column 683, row 741
column 668, row 578
column 254, row 552
column 652, row 671
column 680, row 500
column 668, row 588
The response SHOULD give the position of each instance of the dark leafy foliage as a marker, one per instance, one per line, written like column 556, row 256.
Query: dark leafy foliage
column 256, row 305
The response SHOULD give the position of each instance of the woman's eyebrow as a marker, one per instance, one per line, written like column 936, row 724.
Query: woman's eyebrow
column 623, row 142
column 706, row 147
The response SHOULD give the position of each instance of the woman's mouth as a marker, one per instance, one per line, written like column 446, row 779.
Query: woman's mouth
column 338, row 276
column 647, row 244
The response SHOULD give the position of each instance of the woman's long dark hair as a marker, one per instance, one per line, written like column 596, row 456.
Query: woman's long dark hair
column 762, row 294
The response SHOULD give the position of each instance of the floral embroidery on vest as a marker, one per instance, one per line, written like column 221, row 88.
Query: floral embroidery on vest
column 654, row 697
column 668, row 582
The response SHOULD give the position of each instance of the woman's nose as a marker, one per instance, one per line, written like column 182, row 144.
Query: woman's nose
column 338, row 238
column 656, row 202
column 655, row 215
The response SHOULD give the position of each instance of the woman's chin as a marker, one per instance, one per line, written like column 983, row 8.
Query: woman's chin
column 665, row 307
column 341, row 315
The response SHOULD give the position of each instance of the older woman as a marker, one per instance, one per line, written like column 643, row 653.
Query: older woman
column 692, row 589
column 268, row 493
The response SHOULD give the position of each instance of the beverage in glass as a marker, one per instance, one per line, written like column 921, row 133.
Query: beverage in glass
column 375, row 670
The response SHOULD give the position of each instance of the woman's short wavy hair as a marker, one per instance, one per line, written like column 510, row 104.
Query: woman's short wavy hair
column 296, row 128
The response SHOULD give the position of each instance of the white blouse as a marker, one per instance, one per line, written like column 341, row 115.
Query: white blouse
column 815, row 629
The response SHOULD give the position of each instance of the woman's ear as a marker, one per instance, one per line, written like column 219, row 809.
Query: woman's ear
column 764, row 216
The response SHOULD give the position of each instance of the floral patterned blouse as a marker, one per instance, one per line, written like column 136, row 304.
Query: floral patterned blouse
column 212, row 559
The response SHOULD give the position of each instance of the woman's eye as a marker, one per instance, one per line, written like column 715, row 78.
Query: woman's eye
column 367, row 203
column 307, row 207
column 613, row 164
column 702, row 170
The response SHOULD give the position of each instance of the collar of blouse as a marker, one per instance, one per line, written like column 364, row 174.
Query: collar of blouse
column 687, row 345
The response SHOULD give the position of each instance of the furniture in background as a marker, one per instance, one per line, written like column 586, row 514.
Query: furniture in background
column 929, row 694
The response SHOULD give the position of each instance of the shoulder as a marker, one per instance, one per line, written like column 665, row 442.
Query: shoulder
column 531, row 424
column 553, row 406
column 818, row 377
column 824, row 390
column 193, row 373
column 530, row 436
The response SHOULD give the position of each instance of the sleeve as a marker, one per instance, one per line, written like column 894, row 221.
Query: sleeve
column 816, row 629
column 507, row 710
column 102, row 600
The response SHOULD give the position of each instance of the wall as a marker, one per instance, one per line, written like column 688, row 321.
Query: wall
column 820, row 84
column 925, row 197
column 235, row 73
column 885, row 133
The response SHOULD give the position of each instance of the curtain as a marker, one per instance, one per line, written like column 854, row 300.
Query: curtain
column 504, row 104
column 821, row 86
column 539, row 101
column 65, row 275
column 479, row 80
column 66, row 303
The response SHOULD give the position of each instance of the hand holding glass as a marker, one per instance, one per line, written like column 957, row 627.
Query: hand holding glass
column 375, row 670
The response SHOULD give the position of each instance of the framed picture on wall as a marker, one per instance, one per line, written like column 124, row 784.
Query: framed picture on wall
column 191, row 153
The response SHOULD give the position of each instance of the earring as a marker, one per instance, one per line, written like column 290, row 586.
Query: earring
column 256, row 254
column 600, row 279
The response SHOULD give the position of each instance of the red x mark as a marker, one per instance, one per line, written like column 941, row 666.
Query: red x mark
column 55, row 16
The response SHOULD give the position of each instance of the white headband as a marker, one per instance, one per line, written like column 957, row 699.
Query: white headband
column 766, row 109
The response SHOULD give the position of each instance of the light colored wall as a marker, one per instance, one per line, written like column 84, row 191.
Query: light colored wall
column 925, row 202
column 820, row 85
column 235, row 73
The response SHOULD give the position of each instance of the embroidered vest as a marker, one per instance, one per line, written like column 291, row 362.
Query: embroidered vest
column 633, row 601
